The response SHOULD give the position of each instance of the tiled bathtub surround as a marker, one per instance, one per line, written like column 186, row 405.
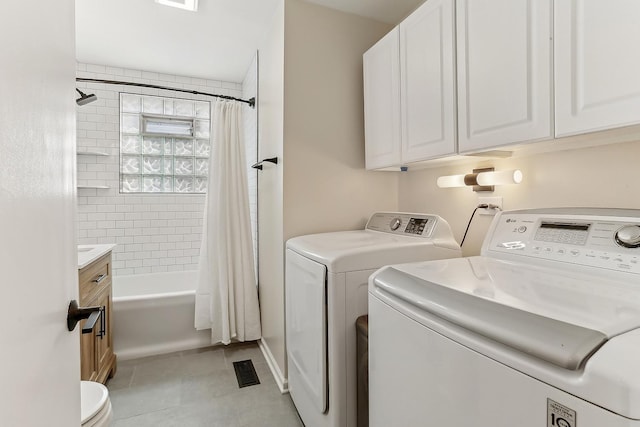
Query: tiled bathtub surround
column 153, row 232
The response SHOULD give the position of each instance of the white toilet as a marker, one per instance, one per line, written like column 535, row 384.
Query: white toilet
column 95, row 404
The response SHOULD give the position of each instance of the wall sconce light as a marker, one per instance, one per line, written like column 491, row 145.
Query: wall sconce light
column 481, row 179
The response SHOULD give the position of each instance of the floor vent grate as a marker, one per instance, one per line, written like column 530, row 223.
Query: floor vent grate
column 245, row 373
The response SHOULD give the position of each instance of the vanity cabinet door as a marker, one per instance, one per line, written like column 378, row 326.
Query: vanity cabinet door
column 381, row 68
column 597, row 67
column 504, row 72
column 97, row 360
column 103, row 337
column 427, row 89
column 88, row 355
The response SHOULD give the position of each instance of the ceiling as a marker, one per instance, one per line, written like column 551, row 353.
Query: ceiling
column 389, row 11
column 217, row 42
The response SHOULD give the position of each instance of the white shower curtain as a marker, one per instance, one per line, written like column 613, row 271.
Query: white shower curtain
column 227, row 296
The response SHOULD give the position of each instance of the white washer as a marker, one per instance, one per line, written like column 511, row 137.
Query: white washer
column 326, row 291
column 542, row 329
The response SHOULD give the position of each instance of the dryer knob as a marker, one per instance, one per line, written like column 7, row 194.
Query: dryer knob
column 628, row 236
column 395, row 224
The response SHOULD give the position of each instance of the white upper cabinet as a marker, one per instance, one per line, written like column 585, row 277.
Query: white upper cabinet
column 504, row 72
column 597, row 65
column 427, row 79
column 382, row 103
column 467, row 76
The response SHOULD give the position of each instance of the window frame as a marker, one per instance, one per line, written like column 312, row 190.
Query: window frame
column 146, row 118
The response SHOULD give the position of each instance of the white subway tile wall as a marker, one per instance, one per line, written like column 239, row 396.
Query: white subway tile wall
column 153, row 233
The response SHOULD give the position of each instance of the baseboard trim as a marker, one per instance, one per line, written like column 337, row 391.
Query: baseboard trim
column 282, row 382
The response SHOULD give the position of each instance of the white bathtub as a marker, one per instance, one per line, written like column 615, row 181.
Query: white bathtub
column 153, row 314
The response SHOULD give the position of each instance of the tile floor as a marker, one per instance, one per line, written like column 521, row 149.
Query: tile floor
column 198, row 388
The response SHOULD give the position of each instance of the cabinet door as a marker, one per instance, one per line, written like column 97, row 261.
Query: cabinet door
column 504, row 72
column 427, row 82
column 381, row 66
column 88, row 356
column 103, row 338
column 597, row 67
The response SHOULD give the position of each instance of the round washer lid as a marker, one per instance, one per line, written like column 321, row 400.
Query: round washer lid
column 93, row 397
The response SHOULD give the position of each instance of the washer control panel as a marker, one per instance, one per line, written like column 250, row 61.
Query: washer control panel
column 596, row 240
column 405, row 224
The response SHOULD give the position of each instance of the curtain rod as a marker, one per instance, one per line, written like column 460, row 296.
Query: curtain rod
column 251, row 101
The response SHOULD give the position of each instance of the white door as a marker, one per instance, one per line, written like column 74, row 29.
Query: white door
column 381, row 68
column 427, row 90
column 597, row 67
column 40, row 376
column 504, row 72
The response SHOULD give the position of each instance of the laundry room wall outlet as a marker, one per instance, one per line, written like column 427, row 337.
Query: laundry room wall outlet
column 496, row 201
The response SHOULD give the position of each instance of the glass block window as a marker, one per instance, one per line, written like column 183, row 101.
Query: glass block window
column 164, row 144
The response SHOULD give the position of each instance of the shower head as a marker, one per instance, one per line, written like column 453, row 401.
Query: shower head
column 84, row 98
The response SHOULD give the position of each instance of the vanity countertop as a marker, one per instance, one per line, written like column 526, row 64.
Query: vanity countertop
column 89, row 253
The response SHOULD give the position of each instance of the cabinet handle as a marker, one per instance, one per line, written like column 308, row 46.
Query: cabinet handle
column 76, row 313
column 99, row 278
column 103, row 323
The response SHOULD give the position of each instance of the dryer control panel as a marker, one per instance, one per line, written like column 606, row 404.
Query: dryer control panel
column 402, row 223
column 604, row 238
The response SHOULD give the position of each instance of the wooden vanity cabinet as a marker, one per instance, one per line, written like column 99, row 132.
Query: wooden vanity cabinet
column 97, row 360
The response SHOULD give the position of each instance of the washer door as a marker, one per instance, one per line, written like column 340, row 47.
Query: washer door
column 306, row 322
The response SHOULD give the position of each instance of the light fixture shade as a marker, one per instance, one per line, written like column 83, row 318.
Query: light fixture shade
column 450, row 181
column 481, row 179
column 191, row 5
column 500, row 178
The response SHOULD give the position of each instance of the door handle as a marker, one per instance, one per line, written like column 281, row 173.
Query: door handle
column 76, row 314
column 91, row 322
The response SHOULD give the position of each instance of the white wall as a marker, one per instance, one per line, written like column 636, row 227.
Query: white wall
column 326, row 187
column 311, row 117
column 270, row 187
column 604, row 176
column 153, row 233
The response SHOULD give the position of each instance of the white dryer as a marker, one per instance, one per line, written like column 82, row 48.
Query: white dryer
column 326, row 291
column 542, row 329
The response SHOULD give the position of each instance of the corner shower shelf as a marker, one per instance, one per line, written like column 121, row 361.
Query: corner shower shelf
column 92, row 153
column 97, row 187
